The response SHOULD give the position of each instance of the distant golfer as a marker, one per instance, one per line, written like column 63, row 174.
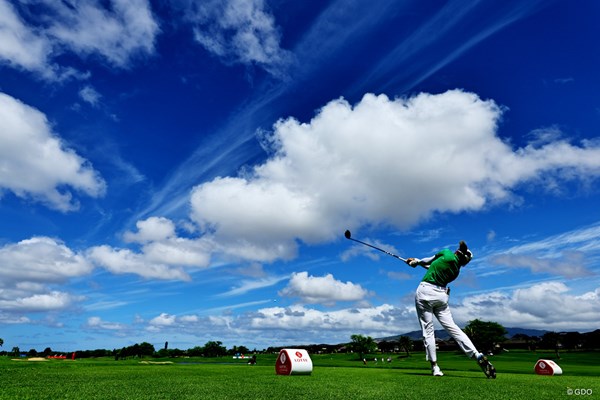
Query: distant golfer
column 432, row 299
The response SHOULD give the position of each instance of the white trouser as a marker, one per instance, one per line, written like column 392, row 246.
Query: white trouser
column 433, row 300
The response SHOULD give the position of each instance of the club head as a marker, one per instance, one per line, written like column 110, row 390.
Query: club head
column 347, row 234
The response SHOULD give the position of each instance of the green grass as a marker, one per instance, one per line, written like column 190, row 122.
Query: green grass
column 333, row 377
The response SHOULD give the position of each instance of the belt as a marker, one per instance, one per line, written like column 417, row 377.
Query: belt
column 442, row 288
column 434, row 285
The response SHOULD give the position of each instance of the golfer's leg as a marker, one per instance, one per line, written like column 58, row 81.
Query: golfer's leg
column 444, row 315
column 425, row 314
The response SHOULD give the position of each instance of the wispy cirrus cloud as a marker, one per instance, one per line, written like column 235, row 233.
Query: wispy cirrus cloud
column 118, row 33
column 567, row 254
column 239, row 32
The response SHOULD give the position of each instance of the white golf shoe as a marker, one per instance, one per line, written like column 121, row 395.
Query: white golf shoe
column 436, row 371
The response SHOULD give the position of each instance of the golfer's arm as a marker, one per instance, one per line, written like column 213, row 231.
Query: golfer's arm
column 425, row 262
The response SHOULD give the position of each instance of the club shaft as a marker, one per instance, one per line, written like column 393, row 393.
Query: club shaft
column 377, row 248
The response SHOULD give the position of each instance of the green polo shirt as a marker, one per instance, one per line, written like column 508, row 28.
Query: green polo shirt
column 444, row 269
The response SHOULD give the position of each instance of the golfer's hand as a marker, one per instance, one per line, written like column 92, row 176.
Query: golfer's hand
column 412, row 262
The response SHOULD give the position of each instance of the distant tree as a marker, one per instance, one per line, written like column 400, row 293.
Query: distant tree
column 214, row 349
column 485, row 334
column 405, row 343
column 162, row 353
column 530, row 341
column 122, row 354
column 572, row 340
column 238, row 349
column 551, row 340
column 47, row 352
column 362, row 345
column 16, row 351
column 592, row 340
column 1, row 342
column 176, row 353
column 386, row 346
column 145, row 349
column 32, row 353
column 195, row 351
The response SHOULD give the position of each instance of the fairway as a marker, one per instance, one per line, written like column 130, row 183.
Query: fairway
column 333, row 377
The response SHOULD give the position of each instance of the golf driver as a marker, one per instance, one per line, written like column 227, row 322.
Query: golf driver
column 349, row 237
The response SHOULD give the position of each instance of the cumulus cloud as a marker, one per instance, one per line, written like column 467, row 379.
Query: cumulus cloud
column 239, row 31
column 39, row 260
column 151, row 229
column 380, row 319
column 547, row 305
column 37, row 164
column 379, row 162
column 324, row 290
column 163, row 320
column 295, row 323
column 163, row 255
column 28, row 268
column 125, row 261
column 52, row 301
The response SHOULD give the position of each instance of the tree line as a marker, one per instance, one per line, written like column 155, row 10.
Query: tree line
column 488, row 336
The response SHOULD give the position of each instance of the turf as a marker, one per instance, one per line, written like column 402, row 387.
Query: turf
column 333, row 377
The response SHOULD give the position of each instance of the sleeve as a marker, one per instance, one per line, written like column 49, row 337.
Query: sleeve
column 427, row 260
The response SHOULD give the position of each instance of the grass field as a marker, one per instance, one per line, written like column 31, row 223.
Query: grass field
column 333, row 377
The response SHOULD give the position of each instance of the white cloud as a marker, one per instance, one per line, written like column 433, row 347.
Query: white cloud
column 163, row 255
column 98, row 323
column 21, row 45
column 324, row 290
column 151, row 229
column 246, row 286
column 39, row 302
column 382, row 161
column 380, row 319
column 548, row 305
column 163, row 320
column 571, row 265
column 125, row 261
column 90, row 95
column 117, row 32
column 566, row 254
column 277, row 325
column 239, row 31
column 29, row 264
column 28, row 267
column 36, row 164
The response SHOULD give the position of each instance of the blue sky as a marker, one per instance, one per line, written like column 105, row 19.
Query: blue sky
column 184, row 171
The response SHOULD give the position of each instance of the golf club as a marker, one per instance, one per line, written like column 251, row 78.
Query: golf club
column 349, row 237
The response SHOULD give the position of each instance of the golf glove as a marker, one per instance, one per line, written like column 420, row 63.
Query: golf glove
column 413, row 262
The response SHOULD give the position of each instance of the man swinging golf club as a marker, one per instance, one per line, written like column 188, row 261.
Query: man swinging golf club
column 432, row 299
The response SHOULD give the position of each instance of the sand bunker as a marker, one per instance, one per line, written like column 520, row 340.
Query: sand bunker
column 156, row 362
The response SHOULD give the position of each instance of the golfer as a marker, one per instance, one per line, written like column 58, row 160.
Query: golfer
column 432, row 299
